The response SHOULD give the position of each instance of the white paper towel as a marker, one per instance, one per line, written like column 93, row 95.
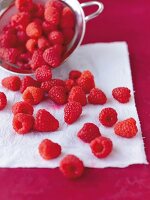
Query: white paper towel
column 110, row 65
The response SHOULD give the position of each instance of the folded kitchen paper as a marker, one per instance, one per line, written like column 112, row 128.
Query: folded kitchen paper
column 110, row 65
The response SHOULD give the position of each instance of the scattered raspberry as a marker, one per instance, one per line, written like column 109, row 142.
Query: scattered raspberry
column 108, row 117
column 52, row 15
column 37, row 59
column 22, row 107
column 43, row 43
column 78, row 95
column 31, row 45
column 72, row 112
column 24, row 5
column 47, row 85
column 71, row 167
column 121, row 94
column 54, row 3
column 74, row 74
column 56, row 37
column 97, row 96
column 9, row 54
column 86, row 83
column 33, row 95
column 21, row 18
column 49, row 150
column 48, row 27
column 3, row 100
column 8, row 40
column 23, row 123
column 26, row 82
column 126, row 128
column 45, row 122
column 67, row 18
column 69, row 84
column 52, row 57
column 34, row 30
column 12, row 83
column 101, row 147
column 89, row 132
column 43, row 73
column 68, row 35
column 58, row 94
column 87, row 74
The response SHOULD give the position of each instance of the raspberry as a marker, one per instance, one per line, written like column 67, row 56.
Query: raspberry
column 67, row 18
column 69, row 84
column 68, row 35
column 22, row 37
column 56, row 37
column 71, row 167
column 33, row 95
column 48, row 27
column 26, row 82
column 52, row 15
column 78, row 95
column 58, row 94
column 43, row 73
column 86, row 83
column 72, row 112
column 55, row 3
column 3, row 100
column 23, row 123
column 43, row 43
column 121, row 94
column 49, row 150
column 22, row 18
column 31, row 45
column 34, row 30
column 12, row 83
column 38, row 10
column 9, row 54
column 52, row 57
column 97, row 96
column 45, row 122
column 8, row 40
column 37, row 59
column 108, row 117
column 101, row 147
column 87, row 74
column 74, row 74
column 47, row 85
column 126, row 128
column 24, row 5
column 22, row 107
column 88, row 132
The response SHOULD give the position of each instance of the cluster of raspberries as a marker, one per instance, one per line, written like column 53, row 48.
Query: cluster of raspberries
column 37, row 35
column 74, row 93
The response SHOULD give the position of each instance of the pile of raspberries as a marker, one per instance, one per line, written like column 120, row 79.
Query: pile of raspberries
column 37, row 34
column 74, row 93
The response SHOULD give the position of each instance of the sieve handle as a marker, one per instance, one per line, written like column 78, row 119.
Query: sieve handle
column 96, row 13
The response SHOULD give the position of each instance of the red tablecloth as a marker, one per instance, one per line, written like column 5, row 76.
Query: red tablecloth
column 122, row 20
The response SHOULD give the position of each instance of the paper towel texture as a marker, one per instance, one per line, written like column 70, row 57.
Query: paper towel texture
column 110, row 65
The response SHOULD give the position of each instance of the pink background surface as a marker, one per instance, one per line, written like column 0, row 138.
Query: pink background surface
column 122, row 20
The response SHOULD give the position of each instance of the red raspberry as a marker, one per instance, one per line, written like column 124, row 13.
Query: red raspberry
column 33, row 95
column 52, row 15
column 126, row 128
column 86, row 83
column 45, row 122
column 68, row 35
column 31, row 45
column 70, row 84
column 24, row 5
column 55, row 3
column 88, row 132
column 43, row 73
column 101, row 147
column 58, row 94
column 78, row 95
column 37, row 10
column 37, row 59
column 56, row 37
column 71, row 167
column 22, row 107
column 47, row 85
column 49, row 150
column 121, row 94
column 26, row 82
column 9, row 54
column 43, row 43
column 72, row 112
column 34, row 30
column 3, row 100
column 8, row 40
column 108, row 117
column 97, row 96
column 22, row 37
column 12, row 83
column 48, row 27
column 74, row 74
column 67, row 18
column 23, row 123
column 21, row 18
column 52, row 56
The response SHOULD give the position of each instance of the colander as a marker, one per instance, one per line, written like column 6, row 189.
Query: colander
column 7, row 9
